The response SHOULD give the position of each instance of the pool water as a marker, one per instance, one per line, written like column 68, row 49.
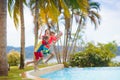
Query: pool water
column 96, row 73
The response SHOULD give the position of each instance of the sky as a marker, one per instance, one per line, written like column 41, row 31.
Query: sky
column 110, row 23
column 107, row 31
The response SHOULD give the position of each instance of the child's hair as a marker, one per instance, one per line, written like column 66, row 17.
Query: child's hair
column 46, row 30
column 45, row 37
column 51, row 32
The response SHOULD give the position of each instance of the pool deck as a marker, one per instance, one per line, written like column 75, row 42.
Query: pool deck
column 35, row 75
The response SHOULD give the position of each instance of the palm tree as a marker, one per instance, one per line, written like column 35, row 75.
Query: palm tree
column 3, row 38
column 66, row 5
column 84, row 6
column 35, row 13
column 92, row 14
column 85, row 10
column 36, row 22
column 15, row 8
column 22, row 36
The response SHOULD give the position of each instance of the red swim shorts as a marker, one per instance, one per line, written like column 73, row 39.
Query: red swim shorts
column 38, row 55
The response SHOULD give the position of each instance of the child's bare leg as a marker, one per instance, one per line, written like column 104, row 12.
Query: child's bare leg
column 51, row 56
column 37, row 62
column 30, row 62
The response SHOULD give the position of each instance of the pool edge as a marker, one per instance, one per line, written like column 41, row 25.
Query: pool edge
column 36, row 74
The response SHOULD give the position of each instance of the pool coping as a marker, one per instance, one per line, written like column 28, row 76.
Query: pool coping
column 36, row 74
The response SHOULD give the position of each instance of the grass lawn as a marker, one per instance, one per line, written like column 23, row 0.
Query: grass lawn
column 14, row 73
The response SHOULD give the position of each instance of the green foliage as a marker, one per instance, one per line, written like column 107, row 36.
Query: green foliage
column 66, row 64
column 13, row 58
column 94, row 56
column 112, row 46
column 114, row 64
column 13, row 9
column 14, row 73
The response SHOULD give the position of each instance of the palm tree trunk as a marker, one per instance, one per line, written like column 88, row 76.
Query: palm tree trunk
column 3, row 41
column 67, row 26
column 36, row 23
column 75, row 36
column 57, row 51
column 36, row 26
column 22, row 52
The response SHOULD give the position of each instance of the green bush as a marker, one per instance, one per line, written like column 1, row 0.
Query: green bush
column 66, row 64
column 114, row 64
column 13, row 58
column 93, row 56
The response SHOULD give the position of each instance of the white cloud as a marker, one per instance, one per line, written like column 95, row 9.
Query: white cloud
column 109, row 27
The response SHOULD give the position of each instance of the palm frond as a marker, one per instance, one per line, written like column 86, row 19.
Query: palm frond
column 92, row 14
column 10, row 7
column 94, row 5
column 24, row 1
column 74, row 4
column 93, row 20
column 42, row 3
column 66, row 10
column 16, row 14
column 53, row 9
column 84, row 5
column 42, row 16
column 96, row 15
column 31, row 4
column 84, row 19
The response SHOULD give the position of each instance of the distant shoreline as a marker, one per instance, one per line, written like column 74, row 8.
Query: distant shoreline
column 51, row 61
column 116, row 59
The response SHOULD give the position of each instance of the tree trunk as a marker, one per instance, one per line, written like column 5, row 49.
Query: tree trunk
column 65, row 50
column 3, row 41
column 57, row 51
column 36, row 23
column 22, row 52
column 75, row 36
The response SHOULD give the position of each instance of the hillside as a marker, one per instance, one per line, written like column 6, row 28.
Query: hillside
column 118, row 51
column 29, row 50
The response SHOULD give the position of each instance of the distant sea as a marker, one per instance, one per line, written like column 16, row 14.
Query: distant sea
column 29, row 53
column 117, row 59
column 50, row 61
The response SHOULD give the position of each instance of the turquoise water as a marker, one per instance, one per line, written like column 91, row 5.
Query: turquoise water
column 97, row 73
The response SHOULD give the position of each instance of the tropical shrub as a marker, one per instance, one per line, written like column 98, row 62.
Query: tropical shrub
column 114, row 64
column 13, row 58
column 93, row 56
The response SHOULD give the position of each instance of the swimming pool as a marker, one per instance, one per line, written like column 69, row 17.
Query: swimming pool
column 96, row 73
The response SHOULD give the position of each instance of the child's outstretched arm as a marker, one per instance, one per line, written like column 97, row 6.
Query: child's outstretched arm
column 58, row 36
